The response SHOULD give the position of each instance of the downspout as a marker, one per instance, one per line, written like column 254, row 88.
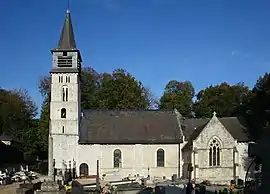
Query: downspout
column 178, row 117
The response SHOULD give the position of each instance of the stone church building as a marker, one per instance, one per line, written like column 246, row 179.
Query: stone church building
column 154, row 143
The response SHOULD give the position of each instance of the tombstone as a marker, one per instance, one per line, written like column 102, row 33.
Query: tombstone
column 240, row 182
column 189, row 188
column 49, row 187
column 24, row 188
column 160, row 190
column 174, row 177
column 202, row 189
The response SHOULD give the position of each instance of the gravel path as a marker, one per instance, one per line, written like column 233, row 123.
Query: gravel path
column 9, row 189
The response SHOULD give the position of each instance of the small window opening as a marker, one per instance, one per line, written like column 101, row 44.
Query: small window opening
column 65, row 53
column 63, row 129
column 63, row 113
column 65, row 93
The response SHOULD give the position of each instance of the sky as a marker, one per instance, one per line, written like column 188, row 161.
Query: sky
column 205, row 42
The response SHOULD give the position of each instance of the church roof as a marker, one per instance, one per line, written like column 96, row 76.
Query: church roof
column 67, row 38
column 193, row 127
column 118, row 126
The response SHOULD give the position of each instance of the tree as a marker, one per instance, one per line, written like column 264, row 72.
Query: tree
column 223, row 99
column 256, row 108
column 178, row 95
column 17, row 116
column 90, row 86
column 120, row 90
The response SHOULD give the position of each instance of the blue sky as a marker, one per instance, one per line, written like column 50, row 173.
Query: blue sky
column 206, row 42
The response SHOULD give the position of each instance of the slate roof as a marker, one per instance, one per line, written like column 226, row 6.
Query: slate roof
column 195, row 126
column 67, row 38
column 118, row 126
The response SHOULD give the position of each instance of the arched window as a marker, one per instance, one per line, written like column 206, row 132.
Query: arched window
column 214, row 153
column 84, row 171
column 160, row 158
column 65, row 93
column 60, row 79
column 63, row 113
column 117, row 158
column 67, row 79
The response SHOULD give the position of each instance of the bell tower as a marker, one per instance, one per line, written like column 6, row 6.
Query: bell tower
column 65, row 102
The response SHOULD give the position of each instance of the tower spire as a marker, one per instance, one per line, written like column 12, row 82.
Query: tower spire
column 67, row 38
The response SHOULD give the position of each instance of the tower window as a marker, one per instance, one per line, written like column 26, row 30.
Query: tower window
column 68, row 79
column 65, row 93
column 63, row 113
column 65, row 53
column 63, row 129
column 60, row 79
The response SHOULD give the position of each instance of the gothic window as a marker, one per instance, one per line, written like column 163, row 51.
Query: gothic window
column 117, row 158
column 160, row 158
column 65, row 93
column 63, row 113
column 214, row 153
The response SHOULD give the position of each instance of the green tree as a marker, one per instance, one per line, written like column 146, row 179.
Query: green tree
column 120, row 90
column 223, row 99
column 178, row 95
column 17, row 115
column 90, row 86
column 256, row 108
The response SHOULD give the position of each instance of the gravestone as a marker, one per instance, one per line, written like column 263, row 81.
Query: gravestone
column 49, row 187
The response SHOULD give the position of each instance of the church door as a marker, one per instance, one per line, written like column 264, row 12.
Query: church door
column 84, row 171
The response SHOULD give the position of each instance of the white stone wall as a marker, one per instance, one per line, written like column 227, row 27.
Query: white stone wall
column 136, row 159
column 243, row 160
column 64, row 131
column 219, row 174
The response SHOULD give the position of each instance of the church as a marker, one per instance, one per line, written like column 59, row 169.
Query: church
column 144, row 143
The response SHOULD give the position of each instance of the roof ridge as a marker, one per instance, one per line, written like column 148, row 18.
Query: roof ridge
column 131, row 110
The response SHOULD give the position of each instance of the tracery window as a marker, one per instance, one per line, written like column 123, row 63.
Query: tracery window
column 160, row 158
column 214, row 153
column 117, row 158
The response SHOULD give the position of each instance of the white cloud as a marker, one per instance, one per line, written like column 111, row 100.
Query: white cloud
column 239, row 53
